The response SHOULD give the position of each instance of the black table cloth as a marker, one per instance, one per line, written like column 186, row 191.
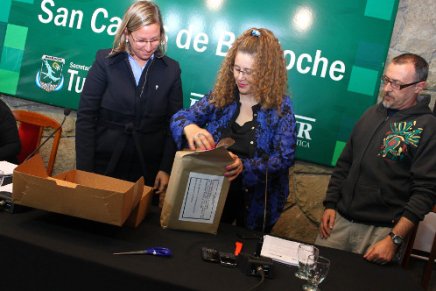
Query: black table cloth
column 48, row 251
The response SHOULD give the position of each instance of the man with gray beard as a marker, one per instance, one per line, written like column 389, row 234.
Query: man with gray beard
column 384, row 182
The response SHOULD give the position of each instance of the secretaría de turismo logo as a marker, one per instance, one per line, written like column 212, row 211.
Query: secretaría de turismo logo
column 49, row 76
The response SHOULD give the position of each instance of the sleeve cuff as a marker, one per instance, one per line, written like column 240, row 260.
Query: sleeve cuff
column 329, row 205
column 411, row 216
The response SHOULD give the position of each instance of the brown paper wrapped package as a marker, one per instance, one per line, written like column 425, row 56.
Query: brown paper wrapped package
column 186, row 173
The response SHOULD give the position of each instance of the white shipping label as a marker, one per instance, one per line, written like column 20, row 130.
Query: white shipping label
column 201, row 197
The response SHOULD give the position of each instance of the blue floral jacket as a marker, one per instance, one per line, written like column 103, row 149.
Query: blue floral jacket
column 274, row 148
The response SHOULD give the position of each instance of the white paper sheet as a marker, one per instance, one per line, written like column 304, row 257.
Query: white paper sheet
column 280, row 250
column 7, row 169
column 6, row 188
column 201, row 197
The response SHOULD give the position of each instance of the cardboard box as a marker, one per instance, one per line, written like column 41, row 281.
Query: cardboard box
column 142, row 209
column 197, row 191
column 80, row 194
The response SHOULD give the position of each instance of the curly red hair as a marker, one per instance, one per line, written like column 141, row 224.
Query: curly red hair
column 269, row 71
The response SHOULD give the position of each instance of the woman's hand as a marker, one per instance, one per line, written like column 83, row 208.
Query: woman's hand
column 198, row 138
column 235, row 168
column 160, row 186
column 161, row 182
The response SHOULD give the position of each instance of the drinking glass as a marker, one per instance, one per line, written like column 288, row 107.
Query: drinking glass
column 304, row 251
column 317, row 269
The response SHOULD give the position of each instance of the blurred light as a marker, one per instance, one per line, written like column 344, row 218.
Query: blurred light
column 303, row 19
column 220, row 27
column 196, row 23
column 172, row 22
column 214, row 4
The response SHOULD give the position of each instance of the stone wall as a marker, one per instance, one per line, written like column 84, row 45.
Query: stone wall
column 414, row 31
column 65, row 159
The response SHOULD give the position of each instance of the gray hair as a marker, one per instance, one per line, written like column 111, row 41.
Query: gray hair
column 420, row 64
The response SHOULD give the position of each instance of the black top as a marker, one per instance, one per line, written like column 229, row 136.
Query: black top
column 243, row 135
column 391, row 112
column 237, row 201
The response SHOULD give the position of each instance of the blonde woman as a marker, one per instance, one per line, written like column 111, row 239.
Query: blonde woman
column 250, row 105
column 130, row 94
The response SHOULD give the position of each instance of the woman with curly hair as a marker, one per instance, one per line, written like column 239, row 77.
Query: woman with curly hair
column 250, row 105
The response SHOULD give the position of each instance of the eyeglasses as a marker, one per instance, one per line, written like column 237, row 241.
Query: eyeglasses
column 237, row 70
column 395, row 84
column 142, row 42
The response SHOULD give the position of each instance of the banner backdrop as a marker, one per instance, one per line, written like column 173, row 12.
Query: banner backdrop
column 334, row 51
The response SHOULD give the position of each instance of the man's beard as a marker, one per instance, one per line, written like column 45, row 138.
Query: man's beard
column 386, row 104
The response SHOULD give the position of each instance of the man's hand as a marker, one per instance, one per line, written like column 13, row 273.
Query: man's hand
column 381, row 252
column 327, row 222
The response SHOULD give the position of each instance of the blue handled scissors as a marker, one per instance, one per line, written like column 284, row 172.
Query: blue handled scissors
column 156, row 251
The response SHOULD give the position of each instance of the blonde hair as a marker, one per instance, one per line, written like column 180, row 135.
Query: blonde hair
column 140, row 13
column 269, row 71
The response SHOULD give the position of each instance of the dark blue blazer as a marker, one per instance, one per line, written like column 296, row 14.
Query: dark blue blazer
column 273, row 153
column 122, row 130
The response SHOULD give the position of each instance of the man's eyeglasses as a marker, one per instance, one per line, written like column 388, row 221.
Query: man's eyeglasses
column 141, row 42
column 237, row 70
column 395, row 84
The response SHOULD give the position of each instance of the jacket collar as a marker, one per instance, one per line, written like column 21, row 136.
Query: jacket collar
column 123, row 56
column 421, row 107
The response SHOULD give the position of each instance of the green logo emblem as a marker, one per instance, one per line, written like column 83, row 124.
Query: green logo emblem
column 401, row 135
column 49, row 76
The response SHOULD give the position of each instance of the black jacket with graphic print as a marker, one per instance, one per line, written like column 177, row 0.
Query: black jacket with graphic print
column 387, row 168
